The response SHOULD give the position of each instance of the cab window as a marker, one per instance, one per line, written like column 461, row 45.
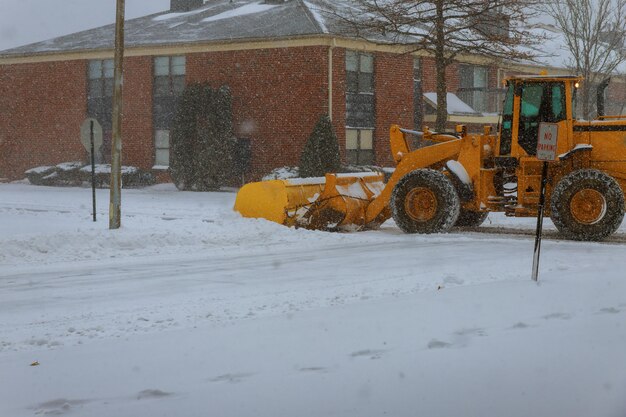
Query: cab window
column 531, row 100
column 530, row 116
column 507, row 122
column 540, row 102
column 558, row 102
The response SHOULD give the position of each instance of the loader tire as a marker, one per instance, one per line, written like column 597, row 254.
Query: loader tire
column 469, row 218
column 425, row 201
column 587, row 205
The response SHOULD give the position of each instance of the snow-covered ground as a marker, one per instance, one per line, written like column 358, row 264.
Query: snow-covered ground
column 190, row 310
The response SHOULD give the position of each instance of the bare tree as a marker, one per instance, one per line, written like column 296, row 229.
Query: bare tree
column 446, row 29
column 594, row 34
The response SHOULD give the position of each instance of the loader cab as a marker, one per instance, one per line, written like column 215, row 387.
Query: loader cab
column 528, row 102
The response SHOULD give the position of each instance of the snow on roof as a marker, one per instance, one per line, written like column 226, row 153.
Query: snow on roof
column 174, row 15
column 315, row 11
column 455, row 104
column 217, row 20
column 241, row 11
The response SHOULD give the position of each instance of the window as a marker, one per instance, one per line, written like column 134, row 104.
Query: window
column 100, row 99
column 360, row 146
column 162, row 148
column 506, row 134
column 101, row 78
column 418, row 111
column 169, row 75
column 360, row 114
column 359, row 90
column 558, row 102
column 544, row 102
column 473, row 86
column 169, row 83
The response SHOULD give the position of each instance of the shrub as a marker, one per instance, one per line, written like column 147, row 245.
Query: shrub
column 66, row 173
column 202, row 141
column 321, row 152
column 36, row 175
column 282, row 173
column 131, row 176
column 77, row 173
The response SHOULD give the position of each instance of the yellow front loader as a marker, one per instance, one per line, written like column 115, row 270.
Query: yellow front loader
column 460, row 178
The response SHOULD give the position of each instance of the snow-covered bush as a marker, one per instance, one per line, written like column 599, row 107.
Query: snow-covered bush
column 77, row 173
column 202, row 141
column 66, row 173
column 282, row 173
column 321, row 152
column 36, row 175
column 131, row 176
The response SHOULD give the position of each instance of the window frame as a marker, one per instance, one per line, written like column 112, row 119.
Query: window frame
column 359, row 155
column 169, row 82
column 478, row 94
column 360, row 89
column 102, row 78
column 99, row 103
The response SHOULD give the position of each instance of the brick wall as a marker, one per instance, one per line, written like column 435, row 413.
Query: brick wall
column 43, row 105
column 137, row 132
column 278, row 96
column 429, row 76
column 339, row 98
column 41, row 109
column 394, row 100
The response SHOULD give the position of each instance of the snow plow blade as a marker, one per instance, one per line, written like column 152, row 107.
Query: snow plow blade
column 321, row 203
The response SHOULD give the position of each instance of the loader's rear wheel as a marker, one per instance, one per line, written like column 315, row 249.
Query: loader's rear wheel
column 425, row 201
column 587, row 205
column 469, row 218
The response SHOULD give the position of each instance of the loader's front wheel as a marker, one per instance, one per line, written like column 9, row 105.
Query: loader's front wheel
column 425, row 201
column 587, row 205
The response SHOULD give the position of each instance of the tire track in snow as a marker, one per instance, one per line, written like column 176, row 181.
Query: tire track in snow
column 220, row 287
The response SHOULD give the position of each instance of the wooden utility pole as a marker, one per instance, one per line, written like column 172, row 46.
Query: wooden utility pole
column 116, row 146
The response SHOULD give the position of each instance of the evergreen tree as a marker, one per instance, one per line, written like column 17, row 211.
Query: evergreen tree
column 321, row 152
column 202, row 141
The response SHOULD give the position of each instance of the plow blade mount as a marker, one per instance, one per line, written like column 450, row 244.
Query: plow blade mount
column 321, row 203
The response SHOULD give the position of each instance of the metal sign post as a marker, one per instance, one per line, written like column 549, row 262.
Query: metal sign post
column 546, row 151
column 93, row 171
column 91, row 138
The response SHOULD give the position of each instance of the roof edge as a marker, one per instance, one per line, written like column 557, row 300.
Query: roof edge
column 309, row 13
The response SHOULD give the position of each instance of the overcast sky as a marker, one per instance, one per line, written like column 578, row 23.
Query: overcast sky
column 28, row 21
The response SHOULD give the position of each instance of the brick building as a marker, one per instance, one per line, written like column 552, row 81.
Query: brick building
column 285, row 63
